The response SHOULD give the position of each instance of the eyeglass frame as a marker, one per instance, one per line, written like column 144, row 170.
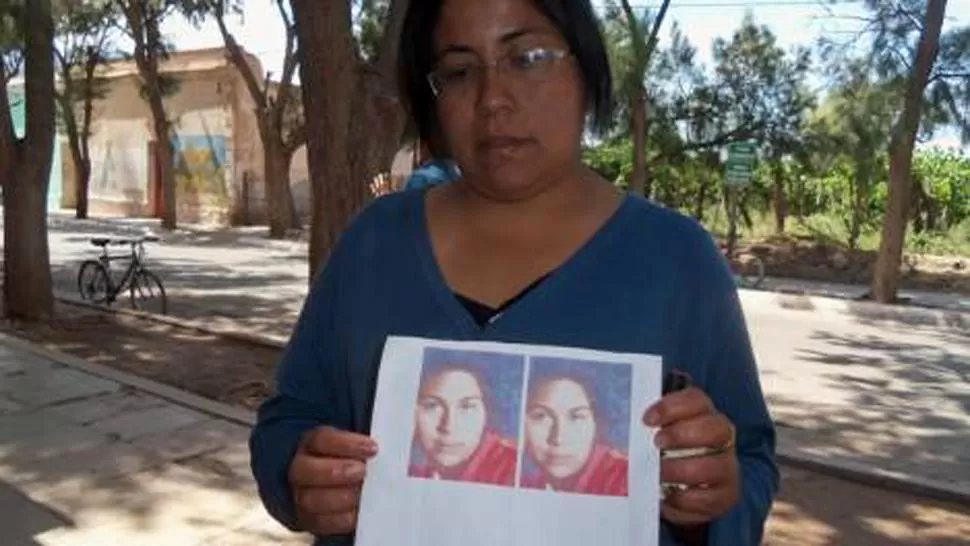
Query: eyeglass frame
column 558, row 55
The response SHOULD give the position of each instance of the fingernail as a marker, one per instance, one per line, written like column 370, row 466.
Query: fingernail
column 652, row 418
column 354, row 471
column 369, row 447
column 661, row 441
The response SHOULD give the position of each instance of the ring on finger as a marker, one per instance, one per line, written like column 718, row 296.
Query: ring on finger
column 692, row 452
column 672, row 488
column 705, row 451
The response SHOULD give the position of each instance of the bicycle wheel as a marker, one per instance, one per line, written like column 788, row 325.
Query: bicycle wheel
column 147, row 293
column 93, row 282
column 750, row 272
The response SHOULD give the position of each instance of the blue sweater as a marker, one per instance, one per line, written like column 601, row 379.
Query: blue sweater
column 650, row 281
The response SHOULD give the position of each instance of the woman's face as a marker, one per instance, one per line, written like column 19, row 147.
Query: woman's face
column 514, row 128
column 450, row 417
column 560, row 428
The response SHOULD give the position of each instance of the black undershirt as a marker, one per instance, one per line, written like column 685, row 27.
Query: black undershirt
column 483, row 314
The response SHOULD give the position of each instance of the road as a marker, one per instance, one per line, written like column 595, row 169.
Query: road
column 872, row 392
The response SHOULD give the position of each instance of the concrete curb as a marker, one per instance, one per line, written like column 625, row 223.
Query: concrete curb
column 864, row 310
column 172, row 394
column 874, row 476
column 791, row 456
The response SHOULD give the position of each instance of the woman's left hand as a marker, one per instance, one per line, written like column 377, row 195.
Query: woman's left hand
column 688, row 419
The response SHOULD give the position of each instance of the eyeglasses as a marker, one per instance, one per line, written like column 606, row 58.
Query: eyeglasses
column 527, row 67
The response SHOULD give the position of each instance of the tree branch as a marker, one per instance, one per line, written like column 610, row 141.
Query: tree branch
column 90, row 66
column 387, row 54
column 657, row 22
column 296, row 137
column 290, row 62
column 949, row 76
column 239, row 59
column 723, row 139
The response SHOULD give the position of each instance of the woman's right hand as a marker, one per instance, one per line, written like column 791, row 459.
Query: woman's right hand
column 326, row 476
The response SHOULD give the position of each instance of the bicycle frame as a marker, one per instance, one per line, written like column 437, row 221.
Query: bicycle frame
column 135, row 265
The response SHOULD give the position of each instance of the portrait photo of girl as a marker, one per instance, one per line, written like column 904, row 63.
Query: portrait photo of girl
column 466, row 417
column 577, row 427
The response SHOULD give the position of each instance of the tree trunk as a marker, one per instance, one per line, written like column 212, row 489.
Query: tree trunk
column 354, row 120
column 143, row 23
column 82, row 164
column 885, row 282
column 82, row 180
column 25, row 176
column 699, row 200
column 276, row 174
column 638, row 123
column 295, row 221
column 781, row 203
column 166, row 160
column 855, row 222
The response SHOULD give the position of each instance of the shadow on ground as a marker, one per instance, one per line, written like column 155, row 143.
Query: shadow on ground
column 259, row 301
column 189, row 235
column 816, row 510
column 115, row 458
column 23, row 520
column 884, row 402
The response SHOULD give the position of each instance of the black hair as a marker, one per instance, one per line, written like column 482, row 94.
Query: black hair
column 575, row 20
column 432, row 370
column 585, row 382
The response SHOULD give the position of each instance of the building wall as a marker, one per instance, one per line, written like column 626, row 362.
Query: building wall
column 251, row 206
column 122, row 150
column 219, row 162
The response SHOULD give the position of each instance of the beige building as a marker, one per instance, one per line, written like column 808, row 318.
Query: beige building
column 219, row 161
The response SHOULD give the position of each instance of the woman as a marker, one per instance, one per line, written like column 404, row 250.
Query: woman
column 564, row 440
column 451, row 434
column 528, row 245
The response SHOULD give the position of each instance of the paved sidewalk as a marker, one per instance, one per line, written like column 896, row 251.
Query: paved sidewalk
column 87, row 461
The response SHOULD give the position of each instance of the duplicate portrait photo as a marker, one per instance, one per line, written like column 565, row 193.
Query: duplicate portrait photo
column 577, row 427
column 545, row 439
column 466, row 417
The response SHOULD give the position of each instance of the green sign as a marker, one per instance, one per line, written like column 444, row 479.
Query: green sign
column 740, row 163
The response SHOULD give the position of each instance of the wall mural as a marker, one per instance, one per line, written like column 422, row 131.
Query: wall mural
column 119, row 173
column 200, row 167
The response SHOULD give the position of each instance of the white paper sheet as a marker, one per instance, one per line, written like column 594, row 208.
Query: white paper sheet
column 471, row 435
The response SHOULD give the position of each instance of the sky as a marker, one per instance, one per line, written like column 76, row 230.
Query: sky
column 794, row 22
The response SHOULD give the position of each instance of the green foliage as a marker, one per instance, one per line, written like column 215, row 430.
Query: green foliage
column 369, row 18
column 893, row 30
column 83, row 40
column 613, row 160
column 11, row 38
column 945, row 180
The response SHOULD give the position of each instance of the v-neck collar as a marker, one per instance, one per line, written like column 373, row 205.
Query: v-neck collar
column 460, row 316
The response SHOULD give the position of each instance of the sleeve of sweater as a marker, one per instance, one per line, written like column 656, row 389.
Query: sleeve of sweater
column 309, row 389
column 729, row 375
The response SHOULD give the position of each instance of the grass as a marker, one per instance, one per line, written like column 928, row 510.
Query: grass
column 833, row 230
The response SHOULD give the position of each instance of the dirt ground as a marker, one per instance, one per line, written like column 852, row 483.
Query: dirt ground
column 805, row 258
column 812, row 509
column 817, row 510
column 232, row 372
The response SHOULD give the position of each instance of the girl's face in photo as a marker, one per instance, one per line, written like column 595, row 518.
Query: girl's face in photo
column 450, row 417
column 560, row 428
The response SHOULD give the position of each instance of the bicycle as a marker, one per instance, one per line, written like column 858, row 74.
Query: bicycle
column 95, row 282
column 749, row 272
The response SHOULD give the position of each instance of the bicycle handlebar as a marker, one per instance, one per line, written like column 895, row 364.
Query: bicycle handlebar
column 109, row 241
